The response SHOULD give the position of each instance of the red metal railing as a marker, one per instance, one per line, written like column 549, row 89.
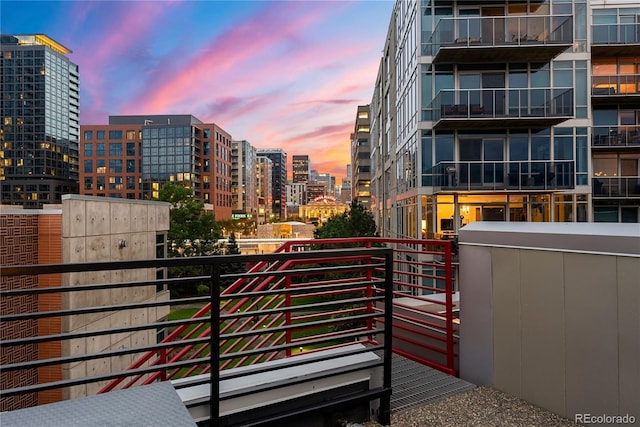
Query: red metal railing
column 424, row 324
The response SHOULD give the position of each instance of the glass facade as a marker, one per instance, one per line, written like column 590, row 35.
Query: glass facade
column 40, row 118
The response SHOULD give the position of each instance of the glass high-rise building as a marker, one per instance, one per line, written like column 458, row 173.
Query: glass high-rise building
column 40, row 121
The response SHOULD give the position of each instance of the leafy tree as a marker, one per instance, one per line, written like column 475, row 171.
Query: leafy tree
column 234, row 267
column 356, row 222
column 192, row 232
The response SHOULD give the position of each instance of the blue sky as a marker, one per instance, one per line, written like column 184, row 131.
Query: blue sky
column 280, row 74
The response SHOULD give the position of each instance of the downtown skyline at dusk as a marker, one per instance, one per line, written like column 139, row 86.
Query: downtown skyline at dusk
column 279, row 74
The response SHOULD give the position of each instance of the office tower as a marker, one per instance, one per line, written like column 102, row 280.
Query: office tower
column 301, row 168
column 264, row 190
column 243, row 180
column 360, row 158
column 40, row 121
column 508, row 126
column 133, row 156
column 279, row 179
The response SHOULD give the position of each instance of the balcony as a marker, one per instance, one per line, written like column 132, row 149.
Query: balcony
column 616, row 187
column 506, row 175
column 615, row 136
column 501, row 108
column 302, row 334
column 615, row 39
column 501, row 39
column 616, row 89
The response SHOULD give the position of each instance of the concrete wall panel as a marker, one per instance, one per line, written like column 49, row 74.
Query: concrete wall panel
column 591, row 334
column 505, row 268
column 476, row 338
column 542, row 329
column 162, row 218
column 139, row 217
column 74, row 218
column 628, row 272
column 97, row 222
column 119, row 217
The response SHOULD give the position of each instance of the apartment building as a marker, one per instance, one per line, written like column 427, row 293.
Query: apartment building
column 506, row 111
column 361, row 158
column 264, row 189
column 40, row 121
column 131, row 157
column 278, row 180
column 243, row 180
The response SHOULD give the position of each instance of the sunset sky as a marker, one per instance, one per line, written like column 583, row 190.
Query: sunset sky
column 279, row 74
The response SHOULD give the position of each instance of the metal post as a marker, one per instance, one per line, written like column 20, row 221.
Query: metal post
column 214, row 339
column 448, row 268
column 385, row 400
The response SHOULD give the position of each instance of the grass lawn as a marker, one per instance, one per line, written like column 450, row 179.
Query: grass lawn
column 182, row 313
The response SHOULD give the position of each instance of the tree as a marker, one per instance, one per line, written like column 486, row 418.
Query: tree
column 356, row 222
column 192, row 232
column 232, row 245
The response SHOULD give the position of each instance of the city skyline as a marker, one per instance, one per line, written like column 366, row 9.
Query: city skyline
column 278, row 74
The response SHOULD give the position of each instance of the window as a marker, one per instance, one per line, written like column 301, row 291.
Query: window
column 101, row 166
column 115, row 134
column 363, row 114
column 88, row 135
column 88, row 166
column 115, row 166
column 100, row 149
column 131, row 148
column 115, row 149
column 88, row 149
column 88, row 183
column 100, row 134
column 131, row 166
column 131, row 135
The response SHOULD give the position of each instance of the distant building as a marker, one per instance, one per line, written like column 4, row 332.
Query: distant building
column 279, row 179
column 244, row 197
column 133, row 156
column 264, row 191
column 301, row 168
column 296, row 196
column 345, row 188
column 316, row 190
column 321, row 209
column 286, row 230
column 40, row 110
column 360, row 158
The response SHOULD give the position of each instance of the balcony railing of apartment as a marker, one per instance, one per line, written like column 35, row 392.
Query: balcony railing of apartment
column 617, row 88
column 616, row 187
column 295, row 302
column 615, row 136
column 499, row 38
column 499, row 108
column 615, row 39
column 506, row 175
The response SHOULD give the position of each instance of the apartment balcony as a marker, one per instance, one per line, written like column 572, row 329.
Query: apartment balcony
column 607, row 137
column 615, row 39
column 616, row 187
column 501, row 39
column 505, row 175
column 615, row 89
column 501, row 108
column 304, row 335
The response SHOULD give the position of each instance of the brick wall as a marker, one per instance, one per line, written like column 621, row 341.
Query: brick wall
column 18, row 245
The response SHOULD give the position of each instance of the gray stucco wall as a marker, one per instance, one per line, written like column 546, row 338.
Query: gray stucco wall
column 551, row 313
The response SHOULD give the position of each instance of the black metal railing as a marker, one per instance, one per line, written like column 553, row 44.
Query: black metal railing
column 615, row 136
column 616, row 187
column 614, row 34
column 524, row 103
column 504, row 175
column 340, row 296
